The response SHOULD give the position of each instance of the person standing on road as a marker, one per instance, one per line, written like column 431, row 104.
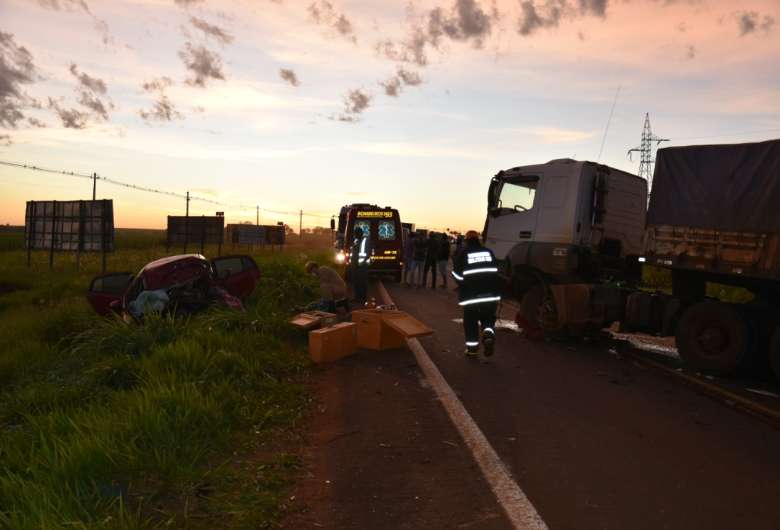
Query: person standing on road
column 333, row 290
column 443, row 259
column 420, row 250
column 431, row 257
column 409, row 257
column 458, row 247
column 476, row 272
column 359, row 260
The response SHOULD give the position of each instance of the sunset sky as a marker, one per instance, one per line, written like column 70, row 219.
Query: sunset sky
column 313, row 104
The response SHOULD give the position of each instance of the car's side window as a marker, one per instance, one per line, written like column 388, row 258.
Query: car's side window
column 111, row 283
column 225, row 267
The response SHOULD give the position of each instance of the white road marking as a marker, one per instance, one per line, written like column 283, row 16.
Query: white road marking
column 518, row 508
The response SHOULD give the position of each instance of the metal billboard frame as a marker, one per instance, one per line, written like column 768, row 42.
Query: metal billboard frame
column 190, row 229
column 69, row 226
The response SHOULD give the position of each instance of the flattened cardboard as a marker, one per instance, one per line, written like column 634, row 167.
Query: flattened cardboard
column 313, row 320
column 407, row 325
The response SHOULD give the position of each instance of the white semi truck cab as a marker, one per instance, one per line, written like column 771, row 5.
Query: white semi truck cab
column 567, row 220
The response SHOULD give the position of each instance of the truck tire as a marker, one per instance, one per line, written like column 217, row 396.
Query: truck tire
column 774, row 353
column 530, row 306
column 713, row 337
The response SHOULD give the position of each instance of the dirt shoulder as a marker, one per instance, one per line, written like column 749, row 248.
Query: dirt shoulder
column 380, row 453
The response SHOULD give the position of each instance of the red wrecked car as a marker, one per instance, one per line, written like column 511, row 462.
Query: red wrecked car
column 182, row 284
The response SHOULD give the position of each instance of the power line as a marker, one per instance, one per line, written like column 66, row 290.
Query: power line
column 147, row 189
column 609, row 121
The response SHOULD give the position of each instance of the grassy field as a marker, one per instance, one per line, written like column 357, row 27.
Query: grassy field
column 172, row 423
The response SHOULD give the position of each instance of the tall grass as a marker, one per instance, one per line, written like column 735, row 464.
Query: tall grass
column 109, row 424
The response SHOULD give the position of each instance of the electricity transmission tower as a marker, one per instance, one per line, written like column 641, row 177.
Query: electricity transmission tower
column 645, row 150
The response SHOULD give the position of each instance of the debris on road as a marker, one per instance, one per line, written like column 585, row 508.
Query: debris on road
column 500, row 324
column 762, row 392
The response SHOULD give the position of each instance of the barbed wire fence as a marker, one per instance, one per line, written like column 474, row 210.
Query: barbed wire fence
column 189, row 197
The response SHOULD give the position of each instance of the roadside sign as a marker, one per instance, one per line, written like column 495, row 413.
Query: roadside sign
column 69, row 226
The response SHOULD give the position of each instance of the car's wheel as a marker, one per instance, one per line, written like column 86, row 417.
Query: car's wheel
column 713, row 337
column 774, row 353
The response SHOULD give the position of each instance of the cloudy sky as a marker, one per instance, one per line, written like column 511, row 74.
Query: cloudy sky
column 311, row 104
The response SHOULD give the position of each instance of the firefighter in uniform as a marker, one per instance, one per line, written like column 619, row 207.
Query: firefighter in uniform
column 359, row 260
column 476, row 272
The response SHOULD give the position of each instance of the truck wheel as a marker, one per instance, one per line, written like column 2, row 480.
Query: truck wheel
column 530, row 312
column 713, row 337
column 774, row 353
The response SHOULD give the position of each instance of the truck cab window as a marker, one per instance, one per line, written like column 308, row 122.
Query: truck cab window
column 518, row 196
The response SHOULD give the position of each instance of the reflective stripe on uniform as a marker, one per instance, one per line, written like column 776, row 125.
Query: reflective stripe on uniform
column 482, row 300
column 489, row 329
column 457, row 276
column 472, row 344
column 479, row 271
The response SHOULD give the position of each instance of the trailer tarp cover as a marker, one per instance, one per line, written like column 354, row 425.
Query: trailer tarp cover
column 721, row 187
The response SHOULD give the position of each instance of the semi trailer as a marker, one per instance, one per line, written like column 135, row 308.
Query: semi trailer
column 574, row 238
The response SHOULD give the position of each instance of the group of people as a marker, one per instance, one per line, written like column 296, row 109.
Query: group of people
column 427, row 252
column 474, row 269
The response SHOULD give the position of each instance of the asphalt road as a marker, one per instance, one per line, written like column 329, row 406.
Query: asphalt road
column 598, row 442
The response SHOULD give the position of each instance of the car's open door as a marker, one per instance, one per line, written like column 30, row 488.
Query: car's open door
column 107, row 289
column 238, row 275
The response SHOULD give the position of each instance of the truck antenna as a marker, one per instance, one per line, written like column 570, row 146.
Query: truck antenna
column 609, row 120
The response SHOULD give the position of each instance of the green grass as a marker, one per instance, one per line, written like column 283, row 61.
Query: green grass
column 169, row 423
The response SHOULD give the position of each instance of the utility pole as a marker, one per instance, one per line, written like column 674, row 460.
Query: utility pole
column 94, row 185
column 257, row 218
column 645, row 150
column 187, row 223
column 300, row 225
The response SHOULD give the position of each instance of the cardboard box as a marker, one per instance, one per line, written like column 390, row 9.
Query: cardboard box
column 313, row 320
column 333, row 343
column 386, row 330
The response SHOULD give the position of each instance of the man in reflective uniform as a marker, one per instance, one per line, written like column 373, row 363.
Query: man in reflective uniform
column 359, row 260
column 476, row 272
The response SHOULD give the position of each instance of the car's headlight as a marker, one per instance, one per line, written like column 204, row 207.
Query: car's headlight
column 340, row 258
